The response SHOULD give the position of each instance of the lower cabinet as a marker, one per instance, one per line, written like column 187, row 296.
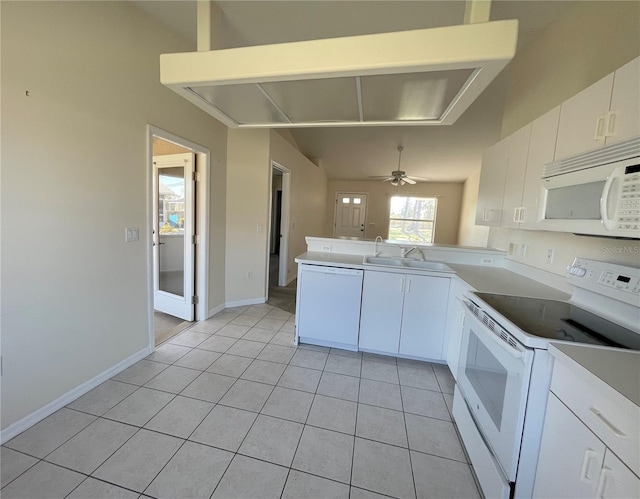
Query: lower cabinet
column 574, row 463
column 404, row 314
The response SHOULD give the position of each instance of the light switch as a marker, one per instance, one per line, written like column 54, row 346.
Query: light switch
column 131, row 234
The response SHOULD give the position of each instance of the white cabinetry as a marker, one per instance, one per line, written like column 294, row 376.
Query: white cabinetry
column 403, row 314
column 381, row 311
column 590, row 443
column 491, row 190
column 604, row 113
column 571, row 456
column 516, row 169
column 542, row 146
column 455, row 323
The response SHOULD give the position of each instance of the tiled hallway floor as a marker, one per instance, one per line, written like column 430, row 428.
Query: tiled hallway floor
column 229, row 408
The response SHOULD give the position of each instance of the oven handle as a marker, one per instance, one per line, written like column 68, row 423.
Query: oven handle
column 511, row 350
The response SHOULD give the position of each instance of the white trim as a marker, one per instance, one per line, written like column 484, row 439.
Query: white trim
column 38, row 415
column 250, row 301
column 291, row 279
column 213, row 311
column 283, row 258
column 203, row 203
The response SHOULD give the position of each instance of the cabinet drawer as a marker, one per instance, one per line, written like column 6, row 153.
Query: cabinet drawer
column 613, row 418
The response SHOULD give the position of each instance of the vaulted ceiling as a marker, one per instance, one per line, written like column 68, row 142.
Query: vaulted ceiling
column 440, row 153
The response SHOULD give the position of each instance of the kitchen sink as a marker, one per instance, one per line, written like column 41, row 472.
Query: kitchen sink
column 385, row 261
column 426, row 265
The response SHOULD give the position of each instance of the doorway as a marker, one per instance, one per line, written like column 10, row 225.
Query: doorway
column 277, row 256
column 350, row 214
column 178, row 234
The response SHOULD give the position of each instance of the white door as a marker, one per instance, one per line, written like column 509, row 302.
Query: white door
column 350, row 214
column 174, row 228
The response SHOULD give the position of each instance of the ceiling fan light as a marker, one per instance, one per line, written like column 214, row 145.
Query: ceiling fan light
column 394, row 182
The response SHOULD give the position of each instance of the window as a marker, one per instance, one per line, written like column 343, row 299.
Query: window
column 412, row 218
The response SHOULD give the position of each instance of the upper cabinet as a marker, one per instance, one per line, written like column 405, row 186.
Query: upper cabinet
column 542, row 146
column 514, row 181
column 491, row 190
column 623, row 121
column 604, row 113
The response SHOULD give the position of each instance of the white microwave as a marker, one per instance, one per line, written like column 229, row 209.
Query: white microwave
column 596, row 193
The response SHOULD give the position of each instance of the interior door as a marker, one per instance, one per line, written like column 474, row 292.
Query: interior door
column 350, row 215
column 173, row 233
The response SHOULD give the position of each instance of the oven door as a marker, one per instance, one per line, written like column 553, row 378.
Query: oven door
column 493, row 376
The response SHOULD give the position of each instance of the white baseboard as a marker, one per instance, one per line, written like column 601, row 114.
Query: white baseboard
column 38, row 415
column 215, row 310
column 250, row 301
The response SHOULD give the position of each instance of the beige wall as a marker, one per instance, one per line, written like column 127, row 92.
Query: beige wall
column 74, row 175
column 377, row 224
column 249, row 171
column 308, row 197
column 470, row 234
column 588, row 42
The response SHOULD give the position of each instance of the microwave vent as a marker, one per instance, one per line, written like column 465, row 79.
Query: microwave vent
column 626, row 149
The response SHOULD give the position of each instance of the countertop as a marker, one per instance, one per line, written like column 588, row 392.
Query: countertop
column 484, row 278
column 619, row 369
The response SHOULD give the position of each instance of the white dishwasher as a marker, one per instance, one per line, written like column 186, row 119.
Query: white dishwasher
column 328, row 306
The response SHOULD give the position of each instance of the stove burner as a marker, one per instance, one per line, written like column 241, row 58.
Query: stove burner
column 559, row 320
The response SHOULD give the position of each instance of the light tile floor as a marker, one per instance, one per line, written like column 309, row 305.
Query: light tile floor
column 230, row 408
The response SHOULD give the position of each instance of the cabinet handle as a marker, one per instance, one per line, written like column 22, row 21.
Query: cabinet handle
column 402, row 285
column 589, row 455
column 602, row 482
column 522, row 211
column 516, row 215
column 485, row 214
column 611, row 124
column 408, row 285
column 600, row 127
column 607, row 423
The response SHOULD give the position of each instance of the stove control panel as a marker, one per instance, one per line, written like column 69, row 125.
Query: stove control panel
column 621, row 282
column 608, row 279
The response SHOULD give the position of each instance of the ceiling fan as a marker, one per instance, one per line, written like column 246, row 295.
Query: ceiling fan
column 399, row 177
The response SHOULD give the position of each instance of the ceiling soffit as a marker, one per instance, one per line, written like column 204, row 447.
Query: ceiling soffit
column 418, row 77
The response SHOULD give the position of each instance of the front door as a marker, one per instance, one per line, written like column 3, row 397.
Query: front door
column 350, row 214
column 173, row 233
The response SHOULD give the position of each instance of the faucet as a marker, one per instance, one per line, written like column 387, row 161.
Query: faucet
column 375, row 245
column 404, row 252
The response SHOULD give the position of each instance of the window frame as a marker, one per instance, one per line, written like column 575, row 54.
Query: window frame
column 390, row 219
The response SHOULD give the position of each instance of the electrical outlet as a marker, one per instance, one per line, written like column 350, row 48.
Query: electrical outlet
column 486, row 261
column 326, row 248
column 513, row 249
column 550, row 253
column 523, row 251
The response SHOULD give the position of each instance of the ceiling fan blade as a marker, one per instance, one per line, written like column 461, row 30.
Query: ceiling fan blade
column 409, row 180
column 383, row 178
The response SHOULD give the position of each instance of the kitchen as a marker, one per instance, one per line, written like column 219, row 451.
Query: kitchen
column 529, row 94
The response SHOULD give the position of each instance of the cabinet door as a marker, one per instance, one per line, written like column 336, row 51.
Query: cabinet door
column 616, row 480
column 624, row 119
column 542, row 146
column 424, row 316
column 570, row 457
column 579, row 119
column 491, row 189
column 381, row 311
column 514, row 181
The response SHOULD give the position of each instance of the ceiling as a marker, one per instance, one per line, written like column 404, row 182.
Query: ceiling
column 441, row 153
